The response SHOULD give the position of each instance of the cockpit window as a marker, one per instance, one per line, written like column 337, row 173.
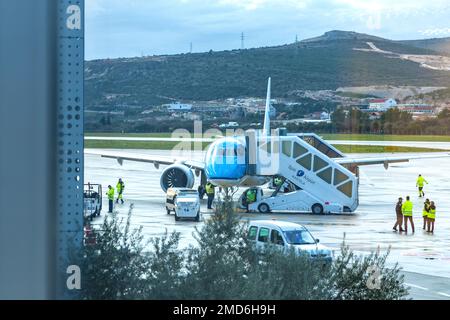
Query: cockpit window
column 230, row 152
column 235, row 151
column 240, row 151
column 220, row 152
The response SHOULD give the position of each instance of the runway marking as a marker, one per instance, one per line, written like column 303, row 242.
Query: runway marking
column 416, row 286
column 444, row 294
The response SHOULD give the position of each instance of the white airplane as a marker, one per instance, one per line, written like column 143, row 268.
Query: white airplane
column 226, row 161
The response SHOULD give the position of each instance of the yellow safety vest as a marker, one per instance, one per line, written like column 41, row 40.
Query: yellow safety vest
column 209, row 188
column 426, row 209
column 251, row 196
column 110, row 194
column 420, row 181
column 432, row 214
column 119, row 187
column 407, row 208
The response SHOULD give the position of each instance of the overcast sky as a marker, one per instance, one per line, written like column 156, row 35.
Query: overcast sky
column 128, row 28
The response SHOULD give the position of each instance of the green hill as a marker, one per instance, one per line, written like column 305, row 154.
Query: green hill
column 326, row 62
column 441, row 45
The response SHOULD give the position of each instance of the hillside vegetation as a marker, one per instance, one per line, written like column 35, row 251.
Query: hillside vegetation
column 321, row 63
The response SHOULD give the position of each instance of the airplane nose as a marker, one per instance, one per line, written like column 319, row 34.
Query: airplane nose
column 220, row 170
column 225, row 162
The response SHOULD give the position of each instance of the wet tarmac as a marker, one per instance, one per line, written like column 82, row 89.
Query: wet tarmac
column 423, row 256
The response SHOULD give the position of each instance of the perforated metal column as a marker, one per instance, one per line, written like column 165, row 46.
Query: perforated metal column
column 70, row 135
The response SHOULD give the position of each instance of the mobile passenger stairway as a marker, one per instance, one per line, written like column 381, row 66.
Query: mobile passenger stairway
column 306, row 161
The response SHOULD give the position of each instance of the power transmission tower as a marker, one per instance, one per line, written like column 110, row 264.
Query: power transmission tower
column 242, row 41
column 190, row 48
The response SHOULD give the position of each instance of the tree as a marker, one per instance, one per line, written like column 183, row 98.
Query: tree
column 113, row 267
column 355, row 277
column 338, row 118
column 118, row 266
column 224, row 264
column 444, row 114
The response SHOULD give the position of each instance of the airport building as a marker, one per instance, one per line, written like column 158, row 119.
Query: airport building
column 179, row 107
column 382, row 104
column 418, row 110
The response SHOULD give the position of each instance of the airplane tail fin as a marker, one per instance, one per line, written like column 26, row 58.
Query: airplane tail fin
column 266, row 128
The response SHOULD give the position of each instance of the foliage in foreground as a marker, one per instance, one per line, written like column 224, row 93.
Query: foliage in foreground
column 224, row 265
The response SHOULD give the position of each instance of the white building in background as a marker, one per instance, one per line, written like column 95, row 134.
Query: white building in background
column 179, row 107
column 382, row 104
column 418, row 110
column 325, row 116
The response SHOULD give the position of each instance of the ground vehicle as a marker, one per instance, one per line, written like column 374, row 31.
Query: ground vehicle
column 230, row 124
column 185, row 203
column 296, row 199
column 92, row 200
column 288, row 235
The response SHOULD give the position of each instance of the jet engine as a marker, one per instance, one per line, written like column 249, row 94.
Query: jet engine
column 177, row 176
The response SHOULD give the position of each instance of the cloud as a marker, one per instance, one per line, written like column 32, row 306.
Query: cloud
column 117, row 28
column 435, row 32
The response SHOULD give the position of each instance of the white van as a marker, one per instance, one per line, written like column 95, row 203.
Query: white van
column 288, row 235
column 185, row 203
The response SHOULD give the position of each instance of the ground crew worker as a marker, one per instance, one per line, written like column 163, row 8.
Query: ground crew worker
column 250, row 197
column 431, row 217
column 419, row 183
column 110, row 194
column 120, row 186
column 210, row 192
column 398, row 211
column 426, row 210
column 407, row 210
column 277, row 181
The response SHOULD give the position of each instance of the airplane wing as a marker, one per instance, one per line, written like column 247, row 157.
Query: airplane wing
column 155, row 160
column 386, row 160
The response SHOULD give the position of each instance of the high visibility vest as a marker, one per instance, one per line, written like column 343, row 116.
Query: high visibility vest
column 432, row 213
column 209, row 188
column 426, row 209
column 110, row 194
column 420, row 181
column 407, row 208
column 251, row 196
column 119, row 187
